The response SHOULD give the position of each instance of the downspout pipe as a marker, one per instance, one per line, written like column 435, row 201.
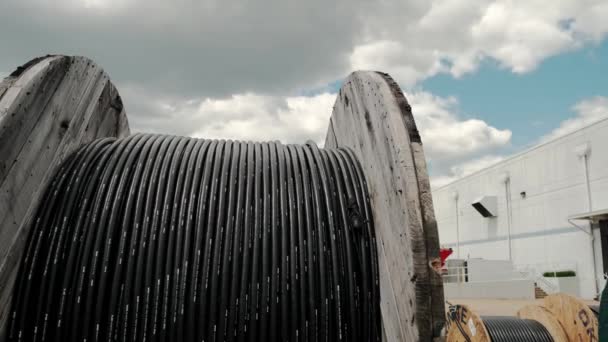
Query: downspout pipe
column 455, row 197
column 583, row 153
column 506, row 179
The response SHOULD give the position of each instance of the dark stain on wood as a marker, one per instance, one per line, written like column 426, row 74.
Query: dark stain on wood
column 64, row 124
column 406, row 109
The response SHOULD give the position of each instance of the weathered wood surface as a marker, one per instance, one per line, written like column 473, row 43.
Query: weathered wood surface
column 48, row 108
column 372, row 117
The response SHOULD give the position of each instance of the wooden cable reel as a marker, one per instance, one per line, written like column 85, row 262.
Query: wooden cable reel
column 48, row 108
column 578, row 321
column 565, row 319
column 54, row 104
column 464, row 325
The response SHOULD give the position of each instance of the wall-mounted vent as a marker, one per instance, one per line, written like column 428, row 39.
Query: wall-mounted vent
column 486, row 206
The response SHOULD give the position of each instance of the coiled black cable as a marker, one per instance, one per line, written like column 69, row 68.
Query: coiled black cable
column 163, row 238
column 513, row 329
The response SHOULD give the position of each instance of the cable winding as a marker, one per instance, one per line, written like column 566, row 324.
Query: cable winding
column 164, row 238
column 513, row 329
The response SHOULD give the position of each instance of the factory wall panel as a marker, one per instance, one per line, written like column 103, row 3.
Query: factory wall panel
column 547, row 184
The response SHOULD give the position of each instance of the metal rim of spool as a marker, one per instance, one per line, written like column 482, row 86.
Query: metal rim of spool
column 373, row 119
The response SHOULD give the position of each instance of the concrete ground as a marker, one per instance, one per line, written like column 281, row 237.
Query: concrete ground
column 498, row 307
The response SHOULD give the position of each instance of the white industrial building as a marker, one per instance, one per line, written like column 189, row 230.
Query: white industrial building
column 536, row 209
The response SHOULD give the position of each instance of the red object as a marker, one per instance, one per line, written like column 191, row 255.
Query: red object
column 444, row 253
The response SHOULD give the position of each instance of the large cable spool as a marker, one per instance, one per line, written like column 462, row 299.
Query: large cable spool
column 371, row 126
column 559, row 318
column 465, row 325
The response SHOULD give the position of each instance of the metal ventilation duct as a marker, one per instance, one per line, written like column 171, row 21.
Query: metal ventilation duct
column 486, row 206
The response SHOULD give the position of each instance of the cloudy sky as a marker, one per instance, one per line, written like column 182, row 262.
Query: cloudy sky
column 485, row 78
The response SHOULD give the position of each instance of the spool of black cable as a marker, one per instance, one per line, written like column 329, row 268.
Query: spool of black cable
column 513, row 329
column 166, row 238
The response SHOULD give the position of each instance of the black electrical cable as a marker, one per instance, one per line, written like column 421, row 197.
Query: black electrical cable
column 513, row 329
column 596, row 310
column 163, row 238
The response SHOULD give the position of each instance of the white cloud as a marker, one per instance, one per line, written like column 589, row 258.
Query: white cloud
column 455, row 146
column 289, row 119
column 220, row 48
column 455, row 36
column 519, row 37
column 106, row 5
column 406, row 65
column 447, row 136
column 464, row 169
column 587, row 112
column 248, row 116
column 591, row 20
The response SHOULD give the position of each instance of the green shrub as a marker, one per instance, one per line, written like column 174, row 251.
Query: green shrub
column 559, row 274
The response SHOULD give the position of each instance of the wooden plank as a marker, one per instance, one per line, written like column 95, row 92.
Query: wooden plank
column 371, row 116
column 21, row 107
column 37, row 151
column 52, row 106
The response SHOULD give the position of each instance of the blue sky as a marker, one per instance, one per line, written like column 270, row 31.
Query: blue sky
column 530, row 104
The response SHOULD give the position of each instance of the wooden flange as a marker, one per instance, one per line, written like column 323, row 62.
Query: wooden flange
column 372, row 118
column 464, row 325
column 578, row 321
column 546, row 318
column 48, row 108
